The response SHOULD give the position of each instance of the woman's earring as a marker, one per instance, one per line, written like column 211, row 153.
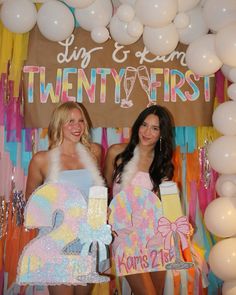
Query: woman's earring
column 160, row 143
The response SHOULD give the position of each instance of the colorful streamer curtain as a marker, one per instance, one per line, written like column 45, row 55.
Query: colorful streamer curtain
column 193, row 174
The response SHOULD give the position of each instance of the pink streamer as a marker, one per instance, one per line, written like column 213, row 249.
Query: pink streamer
column 14, row 118
column 2, row 91
column 28, row 139
column 104, row 145
column 2, row 168
column 220, row 86
column 193, row 202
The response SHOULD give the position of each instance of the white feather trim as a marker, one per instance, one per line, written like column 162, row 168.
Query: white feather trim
column 130, row 169
column 54, row 167
column 85, row 158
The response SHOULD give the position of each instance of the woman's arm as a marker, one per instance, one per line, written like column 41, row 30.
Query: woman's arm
column 96, row 150
column 112, row 152
column 36, row 172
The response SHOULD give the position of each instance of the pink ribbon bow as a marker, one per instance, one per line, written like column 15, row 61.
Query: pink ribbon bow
column 181, row 226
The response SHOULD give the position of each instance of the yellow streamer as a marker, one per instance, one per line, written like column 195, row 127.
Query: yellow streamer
column 5, row 49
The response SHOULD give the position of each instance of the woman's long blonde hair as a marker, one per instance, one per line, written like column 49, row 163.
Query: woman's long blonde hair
column 59, row 118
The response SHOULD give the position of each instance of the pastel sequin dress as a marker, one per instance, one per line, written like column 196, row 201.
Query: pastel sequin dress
column 140, row 178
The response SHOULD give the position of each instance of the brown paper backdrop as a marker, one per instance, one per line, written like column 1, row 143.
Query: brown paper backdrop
column 43, row 53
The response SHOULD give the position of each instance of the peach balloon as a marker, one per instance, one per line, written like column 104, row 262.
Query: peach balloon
column 222, row 154
column 222, row 259
column 226, row 185
column 229, row 288
column 220, row 217
column 224, row 118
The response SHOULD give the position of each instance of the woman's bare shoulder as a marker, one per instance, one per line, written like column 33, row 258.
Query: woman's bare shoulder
column 95, row 147
column 40, row 158
column 117, row 148
column 96, row 150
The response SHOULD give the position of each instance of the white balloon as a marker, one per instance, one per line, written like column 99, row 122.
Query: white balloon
column 220, row 217
column 229, row 288
column 201, row 57
column 222, row 259
column 125, row 13
column 231, row 91
column 18, row 16
column 222, row 154
column 184, row 5
column 232, row 75
column 100, row 34
column 118, row 31
column 130, row 2
column 224, row 118
column 55, row 21
column 225, row 45
column 226, row 185
column 218, row 13
column 135, row 28
column 202, row 2
column 160, row 41
column 225, row 70
column 79, row 3
column 98, row 14
column 181, row 20
column 156, row 13
column 196, row 28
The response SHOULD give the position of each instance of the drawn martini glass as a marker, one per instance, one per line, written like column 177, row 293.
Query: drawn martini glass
column 129, row 80
column 96, row 217
column 170, row 199
column 145, row 82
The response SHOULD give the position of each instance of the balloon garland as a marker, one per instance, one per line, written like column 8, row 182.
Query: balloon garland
column 220, row 215
column 207, row 26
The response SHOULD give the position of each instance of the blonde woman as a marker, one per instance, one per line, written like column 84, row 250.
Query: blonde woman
column 71, row 158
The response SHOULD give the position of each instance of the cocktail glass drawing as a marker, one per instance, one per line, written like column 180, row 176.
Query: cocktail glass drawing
column 96, row 218
column 145, row 81
column 178, row 263
column 129, row 80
